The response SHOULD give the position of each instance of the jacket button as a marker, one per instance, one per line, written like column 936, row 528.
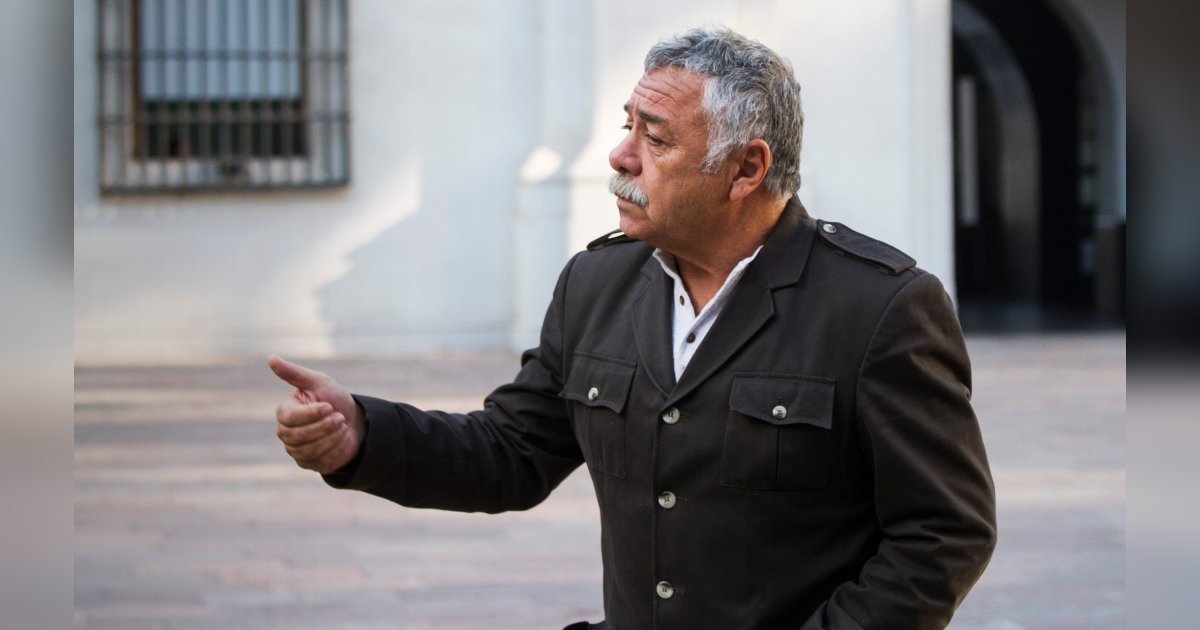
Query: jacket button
column 671, row 416
column 593, row 393
column 779, row 412
column 829, row 227
column 667, row 500
column 664, row 590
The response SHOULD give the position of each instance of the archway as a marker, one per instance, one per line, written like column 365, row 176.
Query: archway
column 1026, row 183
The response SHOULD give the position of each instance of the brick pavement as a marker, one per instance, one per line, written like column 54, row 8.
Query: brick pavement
column 189, row 515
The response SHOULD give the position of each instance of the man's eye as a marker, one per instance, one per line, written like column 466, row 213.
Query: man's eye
column 653, row 140
column 627, row 126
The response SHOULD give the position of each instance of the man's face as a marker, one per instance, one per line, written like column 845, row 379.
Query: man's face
column 661, row 155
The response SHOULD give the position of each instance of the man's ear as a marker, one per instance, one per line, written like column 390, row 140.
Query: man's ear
column 752, row 163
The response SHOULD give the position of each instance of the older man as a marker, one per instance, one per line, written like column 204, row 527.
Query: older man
column 774, row 410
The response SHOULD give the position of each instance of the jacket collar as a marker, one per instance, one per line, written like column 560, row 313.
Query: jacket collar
column 786, row 250
column 779, row 264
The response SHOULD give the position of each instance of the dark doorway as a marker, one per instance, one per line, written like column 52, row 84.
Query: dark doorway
column 1025, row 175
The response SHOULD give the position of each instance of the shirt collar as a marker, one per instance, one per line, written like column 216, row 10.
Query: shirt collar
column 671, row 266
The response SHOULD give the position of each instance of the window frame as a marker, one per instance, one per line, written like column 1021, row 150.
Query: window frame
column 127, row 164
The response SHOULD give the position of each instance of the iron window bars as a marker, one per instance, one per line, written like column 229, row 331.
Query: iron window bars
column 222, row 94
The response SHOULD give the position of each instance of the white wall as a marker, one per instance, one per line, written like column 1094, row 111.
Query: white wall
column 449, row 101
column 413, row 255
column 874, row 78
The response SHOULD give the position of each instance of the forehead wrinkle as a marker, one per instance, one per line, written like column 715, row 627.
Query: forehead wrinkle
column 656, row 96
column 665, row 94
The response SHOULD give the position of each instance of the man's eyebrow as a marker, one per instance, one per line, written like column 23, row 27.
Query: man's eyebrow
column 646, row 116
column 650, row 118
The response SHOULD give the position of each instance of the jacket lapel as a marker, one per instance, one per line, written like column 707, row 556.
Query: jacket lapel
column 652, row 326
column 748, row 309
column 779, row 264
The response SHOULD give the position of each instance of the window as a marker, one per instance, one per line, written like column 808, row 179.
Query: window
column 222, row 94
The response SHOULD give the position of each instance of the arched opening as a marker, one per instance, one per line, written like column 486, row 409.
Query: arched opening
column 1026, row 175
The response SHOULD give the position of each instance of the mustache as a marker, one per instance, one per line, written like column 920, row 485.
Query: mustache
column 622, row 186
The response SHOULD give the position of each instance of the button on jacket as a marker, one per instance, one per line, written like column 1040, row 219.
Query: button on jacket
column 818, row 464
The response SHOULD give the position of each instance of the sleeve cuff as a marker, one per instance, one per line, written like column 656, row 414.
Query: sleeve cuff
column 381, row 454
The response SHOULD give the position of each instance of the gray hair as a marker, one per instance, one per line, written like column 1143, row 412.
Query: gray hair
column 750, row 93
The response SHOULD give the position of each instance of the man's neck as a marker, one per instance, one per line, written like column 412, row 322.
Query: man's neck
column 704, row 267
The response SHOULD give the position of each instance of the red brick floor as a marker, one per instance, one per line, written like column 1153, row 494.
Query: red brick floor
column 188, row 514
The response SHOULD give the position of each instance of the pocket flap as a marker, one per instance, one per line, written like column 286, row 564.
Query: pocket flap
column 798, row 399
column 610, row 378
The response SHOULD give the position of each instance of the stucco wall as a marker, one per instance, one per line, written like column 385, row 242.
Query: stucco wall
column 413, row 255
column 442, row 240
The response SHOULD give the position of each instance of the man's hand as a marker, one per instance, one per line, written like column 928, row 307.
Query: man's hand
column 320, row 425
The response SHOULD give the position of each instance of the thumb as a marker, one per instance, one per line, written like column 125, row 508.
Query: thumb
column 295, row 375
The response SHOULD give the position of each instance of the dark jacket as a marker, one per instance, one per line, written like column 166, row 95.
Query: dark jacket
column 826, row 467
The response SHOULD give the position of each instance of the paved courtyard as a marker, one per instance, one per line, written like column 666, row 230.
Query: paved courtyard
column 189, row 515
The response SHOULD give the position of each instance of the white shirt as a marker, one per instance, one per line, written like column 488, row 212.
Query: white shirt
column 688, row 328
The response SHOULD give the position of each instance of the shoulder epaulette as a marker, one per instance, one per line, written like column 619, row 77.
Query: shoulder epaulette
column 886, row 258
column 613, row 237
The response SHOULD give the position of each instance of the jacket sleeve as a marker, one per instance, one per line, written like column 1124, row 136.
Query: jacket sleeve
column 934, row 497
column 509, row 456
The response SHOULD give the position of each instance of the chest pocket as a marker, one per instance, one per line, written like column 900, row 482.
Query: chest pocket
column 778, row 436
column 599, row 386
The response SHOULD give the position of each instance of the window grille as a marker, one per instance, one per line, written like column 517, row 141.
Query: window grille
column 222, row 94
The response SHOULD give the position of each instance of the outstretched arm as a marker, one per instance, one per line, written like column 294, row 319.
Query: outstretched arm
column 508, row 456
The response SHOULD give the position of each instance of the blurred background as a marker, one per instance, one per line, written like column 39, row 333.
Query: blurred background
column 388, row 190
column 330, row 179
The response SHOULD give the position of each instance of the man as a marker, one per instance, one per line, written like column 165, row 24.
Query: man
column 774, row 410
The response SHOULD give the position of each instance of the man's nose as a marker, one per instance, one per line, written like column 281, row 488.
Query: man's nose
column 624, row 156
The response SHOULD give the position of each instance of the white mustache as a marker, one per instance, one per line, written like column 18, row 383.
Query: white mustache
column 622, row 186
